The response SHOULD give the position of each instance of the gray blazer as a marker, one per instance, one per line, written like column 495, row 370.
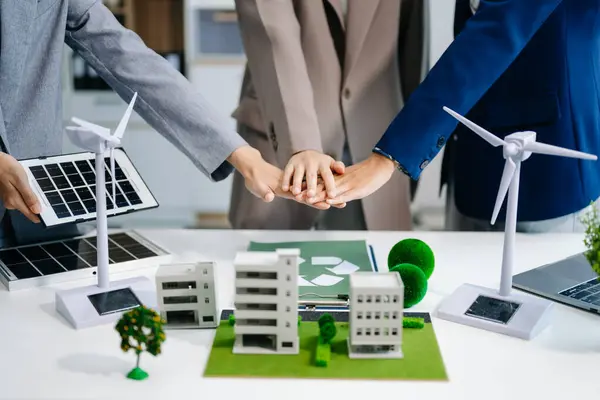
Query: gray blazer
column 32, row 37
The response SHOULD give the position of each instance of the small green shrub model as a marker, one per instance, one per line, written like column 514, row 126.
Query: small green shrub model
column 413, row 323
column 327, row 331
column 231, row 319
column 326, row 318
column 415, row 283
column 322, row 353
column 591, row 220
column 299, row 319
column 413, row 251
column 141, row 329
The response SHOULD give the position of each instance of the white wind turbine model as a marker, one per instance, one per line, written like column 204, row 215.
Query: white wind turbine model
column 102, row 303
column 500, row 311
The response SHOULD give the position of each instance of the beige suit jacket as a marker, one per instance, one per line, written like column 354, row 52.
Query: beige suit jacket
column 298, row 94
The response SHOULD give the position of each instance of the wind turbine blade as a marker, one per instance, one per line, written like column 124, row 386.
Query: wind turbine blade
column 543, row 148
column 507, row 176
column 120, row 131
column 487, row 136
column 100, row 130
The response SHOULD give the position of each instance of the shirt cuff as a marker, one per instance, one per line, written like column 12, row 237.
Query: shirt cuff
column 399, row 166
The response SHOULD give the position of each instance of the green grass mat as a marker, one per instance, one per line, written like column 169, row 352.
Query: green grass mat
column 422, row 358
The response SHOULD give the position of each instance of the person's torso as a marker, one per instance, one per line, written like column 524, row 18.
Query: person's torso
column 31, row 54
column 552, row 88
column 350, row 55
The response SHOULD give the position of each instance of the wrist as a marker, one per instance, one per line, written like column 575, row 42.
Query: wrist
column 383, row 163
column 244, row 159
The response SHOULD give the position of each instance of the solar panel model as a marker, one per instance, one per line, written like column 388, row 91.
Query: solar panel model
column 65, row 260
column 66, row 187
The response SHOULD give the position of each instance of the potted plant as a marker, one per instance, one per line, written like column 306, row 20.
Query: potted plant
column 591, row 220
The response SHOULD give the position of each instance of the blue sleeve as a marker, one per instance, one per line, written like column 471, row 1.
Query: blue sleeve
column 489, row 43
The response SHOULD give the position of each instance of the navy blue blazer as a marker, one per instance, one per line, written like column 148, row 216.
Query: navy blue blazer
column 516, row 65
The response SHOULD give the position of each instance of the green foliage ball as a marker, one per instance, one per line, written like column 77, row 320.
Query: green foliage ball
column 327, row 332
column 412, row 251
column 231, row 319
column 415, row 283
column 326, row 318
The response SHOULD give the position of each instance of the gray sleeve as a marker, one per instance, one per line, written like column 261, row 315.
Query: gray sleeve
column 166, row 100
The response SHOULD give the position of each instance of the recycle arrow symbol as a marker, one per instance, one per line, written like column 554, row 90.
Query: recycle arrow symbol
column 304, row 282
column 342, row 267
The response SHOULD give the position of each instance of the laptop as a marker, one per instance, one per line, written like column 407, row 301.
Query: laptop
column 571, row 281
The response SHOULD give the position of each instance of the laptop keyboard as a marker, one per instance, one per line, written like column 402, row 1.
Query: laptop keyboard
column 588, row 292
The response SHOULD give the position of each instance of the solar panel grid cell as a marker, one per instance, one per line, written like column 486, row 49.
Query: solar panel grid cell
column 61, row 256
column 75, row 181
column 67, row 184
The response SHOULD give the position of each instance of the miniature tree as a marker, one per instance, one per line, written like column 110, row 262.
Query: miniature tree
column 326, row 318
column 327, row 331
column 231, row 319
column 592, row 238
column 299, row 320
column 141, row 329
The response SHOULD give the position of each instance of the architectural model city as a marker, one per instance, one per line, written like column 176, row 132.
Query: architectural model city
column 266, row 302
column 502, row 311
column 266, row 307
column 104, row 303
column 376, row 312
column 186, row 295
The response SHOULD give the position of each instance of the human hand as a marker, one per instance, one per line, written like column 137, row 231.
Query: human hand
column 263, row 179
column 15, row 192
column 359, row 181
column 312, row 164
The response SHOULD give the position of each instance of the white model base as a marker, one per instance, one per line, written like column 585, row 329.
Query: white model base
column 530, row 318
column 75, row 306
column 375, row 354
column 239, row 349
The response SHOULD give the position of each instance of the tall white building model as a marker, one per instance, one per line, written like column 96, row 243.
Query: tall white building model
column 186, row 295
column 266, row 302
column 376, row 305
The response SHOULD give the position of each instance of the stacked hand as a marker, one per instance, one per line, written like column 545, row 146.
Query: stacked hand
column 358, row 181
column 311, row 164
column 312, row 178
column 265, row 180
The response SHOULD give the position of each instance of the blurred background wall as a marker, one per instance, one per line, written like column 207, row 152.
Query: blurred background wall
column 201, row 39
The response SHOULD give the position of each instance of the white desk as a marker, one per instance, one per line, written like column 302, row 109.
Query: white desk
column 42, row 357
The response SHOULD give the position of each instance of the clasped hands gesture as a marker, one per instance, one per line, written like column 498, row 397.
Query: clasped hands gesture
column 312, row 178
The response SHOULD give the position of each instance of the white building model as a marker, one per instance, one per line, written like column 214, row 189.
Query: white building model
column 266, row 302
column 376, row 304
column 186, row 295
